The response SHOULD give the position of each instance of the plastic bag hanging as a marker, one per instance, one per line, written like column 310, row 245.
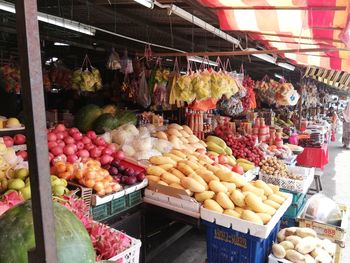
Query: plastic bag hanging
column 143, row 95
column 113, row 62
column 126, row 64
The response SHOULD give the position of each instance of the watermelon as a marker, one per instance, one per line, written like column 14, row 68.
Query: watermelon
column 86, row 116
column 17, row 235
column 106, row 122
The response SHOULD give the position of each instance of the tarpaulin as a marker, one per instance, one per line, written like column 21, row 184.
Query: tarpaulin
column 292, row 24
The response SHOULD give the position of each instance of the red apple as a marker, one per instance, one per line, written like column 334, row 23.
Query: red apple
column 51, row 144
column 73, row 130
column 19, row 139
column 91, row 134
column 95, row 152
column 238, row 169
column 60, row 127
column 86, row 140
column 72, row 158
column 119, row 155
column 23, row 154
column 51, row 137
column 69, row 140
column 77, row 136
column 223, row 159
column 8, row 141
column 99, row 141
column 80, row 145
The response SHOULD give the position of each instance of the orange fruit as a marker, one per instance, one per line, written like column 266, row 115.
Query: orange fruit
column 98, row 186
column 60, row 167
column 101, row 193
column 64, row 175
column 109, row 189
column 90, row 183
column 78, row 174
column 70, row 168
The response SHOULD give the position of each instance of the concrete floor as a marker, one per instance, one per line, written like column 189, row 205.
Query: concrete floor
column 191, row 248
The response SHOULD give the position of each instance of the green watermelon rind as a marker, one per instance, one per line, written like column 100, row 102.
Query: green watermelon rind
column 86, row 116
column 17, row 236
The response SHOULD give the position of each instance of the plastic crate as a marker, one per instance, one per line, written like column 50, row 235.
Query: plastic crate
column 298, row 202
column 225, row 245
column 118, row 205
column 287, row 222
column 100, row 212
column 134, row 198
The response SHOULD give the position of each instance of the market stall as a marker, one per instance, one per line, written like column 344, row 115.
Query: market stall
column 134, row 153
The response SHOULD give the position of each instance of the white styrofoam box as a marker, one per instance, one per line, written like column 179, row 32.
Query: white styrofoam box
column 186, row 204
column 251, row 174
column 244, row 226
column 171, row 207
column 97, row 200
column 299, row 186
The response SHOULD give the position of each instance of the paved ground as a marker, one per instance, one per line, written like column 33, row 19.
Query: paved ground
column 336, row 184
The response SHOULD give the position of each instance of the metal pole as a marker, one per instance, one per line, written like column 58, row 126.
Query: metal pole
column 245, row 52
column 35, row 122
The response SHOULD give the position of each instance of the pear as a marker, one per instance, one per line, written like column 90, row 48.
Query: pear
column 27, row 181
column 21, row 173
column 53, row 178
column 16, row 184
column 26, row 193
column 57, row 182
column 58, row 190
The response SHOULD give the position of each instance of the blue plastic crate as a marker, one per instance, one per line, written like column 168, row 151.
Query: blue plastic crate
column 225, row 245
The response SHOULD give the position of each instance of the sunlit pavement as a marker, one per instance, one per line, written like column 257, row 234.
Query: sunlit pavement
column 336, row 182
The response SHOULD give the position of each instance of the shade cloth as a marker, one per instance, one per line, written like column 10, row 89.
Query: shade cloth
column 314, row 157
column 292, row 24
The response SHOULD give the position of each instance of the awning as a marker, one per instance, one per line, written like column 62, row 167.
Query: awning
column 284, row 24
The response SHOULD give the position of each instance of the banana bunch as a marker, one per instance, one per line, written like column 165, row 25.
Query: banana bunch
column 217, row 146
column 245, row 164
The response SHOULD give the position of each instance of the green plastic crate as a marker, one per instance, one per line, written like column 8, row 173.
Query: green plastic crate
column 118, row 205
column 100, row 212
column 134, row 198
column 298, row 202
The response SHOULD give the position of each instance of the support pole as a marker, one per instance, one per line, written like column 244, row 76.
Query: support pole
column 35, row 123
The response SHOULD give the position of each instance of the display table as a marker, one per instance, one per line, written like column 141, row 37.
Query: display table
column 314, row 157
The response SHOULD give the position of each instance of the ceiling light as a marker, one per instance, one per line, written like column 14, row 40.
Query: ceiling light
column 183, row 72
column 53, row 20
column 265, row 57
column 60, row 44
column 279, row 76
column 168, row 59
column 202, row 60
column 146, row 3
column 286, row 66
column 201, row 23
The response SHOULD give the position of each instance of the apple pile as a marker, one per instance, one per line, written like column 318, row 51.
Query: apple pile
column 71, row 145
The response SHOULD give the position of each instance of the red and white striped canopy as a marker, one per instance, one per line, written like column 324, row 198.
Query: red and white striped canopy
column 292, row 24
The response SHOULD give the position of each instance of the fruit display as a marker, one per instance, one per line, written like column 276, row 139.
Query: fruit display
column 10, row 123
column 202, row 85
column 17, row 235
column 106, row 241
column 123, row 174
column 244, row 147
column 9, row 200
column 181, row 137
column 298, row 244
column 93, row 117
column 279, row 93
column 88, row 80
column 59, row 76
column 89, row 174
column 216, row 186
column 18, row 181
column 276, row 167
column 69, row 144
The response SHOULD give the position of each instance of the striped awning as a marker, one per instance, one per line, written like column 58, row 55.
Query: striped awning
column 293, row 24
